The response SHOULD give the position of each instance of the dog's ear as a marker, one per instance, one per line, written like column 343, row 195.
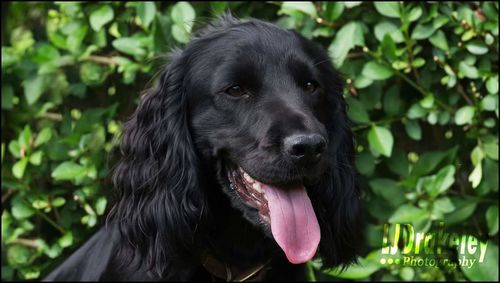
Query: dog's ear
column 159, row 198
column 337, row 196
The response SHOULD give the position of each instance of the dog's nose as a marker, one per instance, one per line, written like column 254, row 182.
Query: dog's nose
column 306, row 149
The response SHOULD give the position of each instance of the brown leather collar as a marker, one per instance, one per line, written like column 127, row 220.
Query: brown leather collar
column 227, row 272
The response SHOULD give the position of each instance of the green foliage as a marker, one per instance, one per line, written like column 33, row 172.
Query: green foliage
column 421, row 85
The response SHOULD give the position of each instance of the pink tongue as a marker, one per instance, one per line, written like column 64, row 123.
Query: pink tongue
column 293, row 222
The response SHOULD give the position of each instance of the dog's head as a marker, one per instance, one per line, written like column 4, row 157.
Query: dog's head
column 262, row 104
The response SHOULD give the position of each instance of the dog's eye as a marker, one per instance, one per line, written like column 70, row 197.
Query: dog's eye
column 236, row 91
column 311, row 86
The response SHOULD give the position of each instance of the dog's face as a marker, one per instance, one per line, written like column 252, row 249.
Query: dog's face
column 259, row 105
column 262, row 108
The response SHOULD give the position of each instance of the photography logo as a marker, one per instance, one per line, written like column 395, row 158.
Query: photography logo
column 402, row 245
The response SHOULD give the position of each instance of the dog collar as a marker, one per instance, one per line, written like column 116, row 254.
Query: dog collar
column 229, row 273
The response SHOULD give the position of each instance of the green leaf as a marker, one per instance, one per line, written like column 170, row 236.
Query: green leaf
column 491, row 150
column 103, row 15
column 423, row 31
column 311, row 275
column 180, row 34
column 45, row 53
column 398, row 163
column 476, row 175
column 389, row 48
column 490, row 102
column 485, row 270
column 463, row 210
column 21, row 39
column 418, row 62
column 218, row 7
column 407, row 273
column 183, row 15
column 43, row 137
column 365, row 163
column 129, row 45
column 356, row 111
column 439, row 21
column 18, row 255
column 66, row 240
column 19, row 168
column 146, row 12
column 54, row 251
column 413, row 129
column 92, row 73
column 356, row 271
column 443, row 205
column 24, row 138
column 476, row 155
column 389, row 190
column 490, row 10
column 333, row 10
column 33, row 88
column 388, row 9
column 304, row 7
column 440, row 182
column 414, row 14
column 477, row 47
column 468, row 35
column 376, row 71
column 392, row 102
column 492, row 220
column 100, row 205
column 385, row 27
column 428, row 161
column 381, row 140
column 58, row 201
column 36, row 158
column 351, row 4
column 7, row 96
column 408, row 213
column 492, row 85
column 439, row 40
column 468, row 71
column 15, row 148
column 362, row 82
column 9, row 57
column 464, row 115
column 347, row 37
column 362, row 269
column 432, row 117
column 416, row 111
column 20, row 209
column 75, row 38
column 427, row 102
column 68, row 171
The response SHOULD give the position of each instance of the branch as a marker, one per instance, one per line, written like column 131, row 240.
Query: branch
column 7, row 195
column 52, row 116
column 101, row 60
column 26, row 242
column 461, row 90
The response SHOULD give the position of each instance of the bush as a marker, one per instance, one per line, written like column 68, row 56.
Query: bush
column 421, row 83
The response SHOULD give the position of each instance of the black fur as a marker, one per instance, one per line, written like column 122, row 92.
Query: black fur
column 175, row 202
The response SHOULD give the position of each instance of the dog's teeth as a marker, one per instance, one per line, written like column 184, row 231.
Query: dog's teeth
column 265, row 218
column 257, row 187
column 247, row 177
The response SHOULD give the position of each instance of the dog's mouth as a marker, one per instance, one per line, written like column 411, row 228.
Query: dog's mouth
column 286, row 208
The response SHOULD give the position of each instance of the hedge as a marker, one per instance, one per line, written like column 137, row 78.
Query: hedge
column 421, row 84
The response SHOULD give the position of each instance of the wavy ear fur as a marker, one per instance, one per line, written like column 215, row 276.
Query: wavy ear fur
column 159, row 199
column 337, row 196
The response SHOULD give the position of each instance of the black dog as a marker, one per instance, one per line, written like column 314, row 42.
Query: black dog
column 238, row 165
